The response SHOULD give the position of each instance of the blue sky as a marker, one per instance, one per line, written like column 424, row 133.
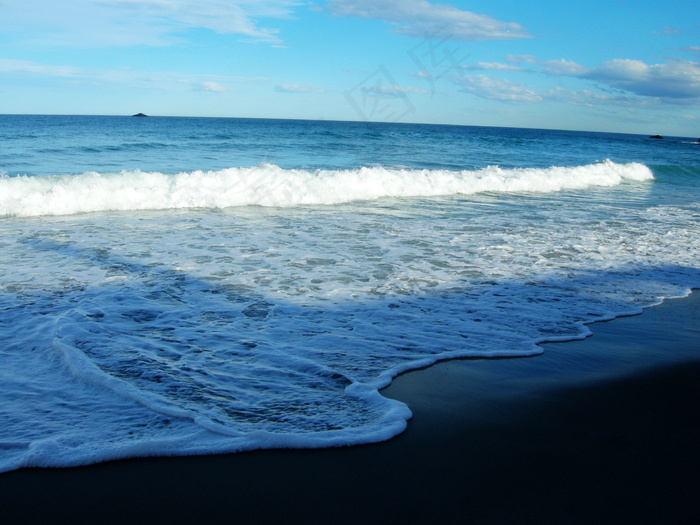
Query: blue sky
column 601, row 65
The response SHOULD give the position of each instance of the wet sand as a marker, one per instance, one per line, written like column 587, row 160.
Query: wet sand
column 604, row 430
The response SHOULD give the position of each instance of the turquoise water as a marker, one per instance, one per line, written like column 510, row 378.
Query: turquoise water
column 177, row 286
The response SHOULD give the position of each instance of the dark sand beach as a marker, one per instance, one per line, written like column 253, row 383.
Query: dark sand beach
column 603, row 430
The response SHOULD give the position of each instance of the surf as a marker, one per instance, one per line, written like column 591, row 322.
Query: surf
column 269, row 185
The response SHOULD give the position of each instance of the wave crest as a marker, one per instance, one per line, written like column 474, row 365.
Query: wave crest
column 270, row 185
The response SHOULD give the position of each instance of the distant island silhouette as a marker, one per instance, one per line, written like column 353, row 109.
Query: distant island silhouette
column 139, row 115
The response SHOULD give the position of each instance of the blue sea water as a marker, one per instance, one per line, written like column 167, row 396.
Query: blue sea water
column 174, row 286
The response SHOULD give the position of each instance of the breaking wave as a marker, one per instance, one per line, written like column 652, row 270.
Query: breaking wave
column 270, row 185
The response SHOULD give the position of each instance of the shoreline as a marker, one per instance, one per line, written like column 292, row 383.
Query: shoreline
column 661, row 336
column 599, row 430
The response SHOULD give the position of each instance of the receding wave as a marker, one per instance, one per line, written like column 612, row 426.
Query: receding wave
column 270, row 185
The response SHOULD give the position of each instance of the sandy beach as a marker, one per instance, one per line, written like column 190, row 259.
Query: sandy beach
column 602, row 430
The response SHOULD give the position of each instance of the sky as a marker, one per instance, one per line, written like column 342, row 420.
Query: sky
column 630, row 66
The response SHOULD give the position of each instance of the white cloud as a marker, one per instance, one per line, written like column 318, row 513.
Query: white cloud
column 393, row 90
column 668, row 31
column 84, row 23
column 695, row 50
column 590, row 98
column 218, row 15
column 675, row 81
column 214, row 86
column 496, row 89
column 563, row 67
column 621, row 69
column 161, row 80
column 422, row 19
column 25, row 66
column 491, row 66
column 297, row 88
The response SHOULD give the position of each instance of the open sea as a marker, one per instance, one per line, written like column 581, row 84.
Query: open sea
column 174, row 286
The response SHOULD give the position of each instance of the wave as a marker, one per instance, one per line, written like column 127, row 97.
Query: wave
column 270, row 185
column 677, row 174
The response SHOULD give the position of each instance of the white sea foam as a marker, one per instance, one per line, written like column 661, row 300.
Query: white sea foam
column 270, row 185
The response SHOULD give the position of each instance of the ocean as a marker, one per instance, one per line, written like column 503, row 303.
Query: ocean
column 178, row 286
